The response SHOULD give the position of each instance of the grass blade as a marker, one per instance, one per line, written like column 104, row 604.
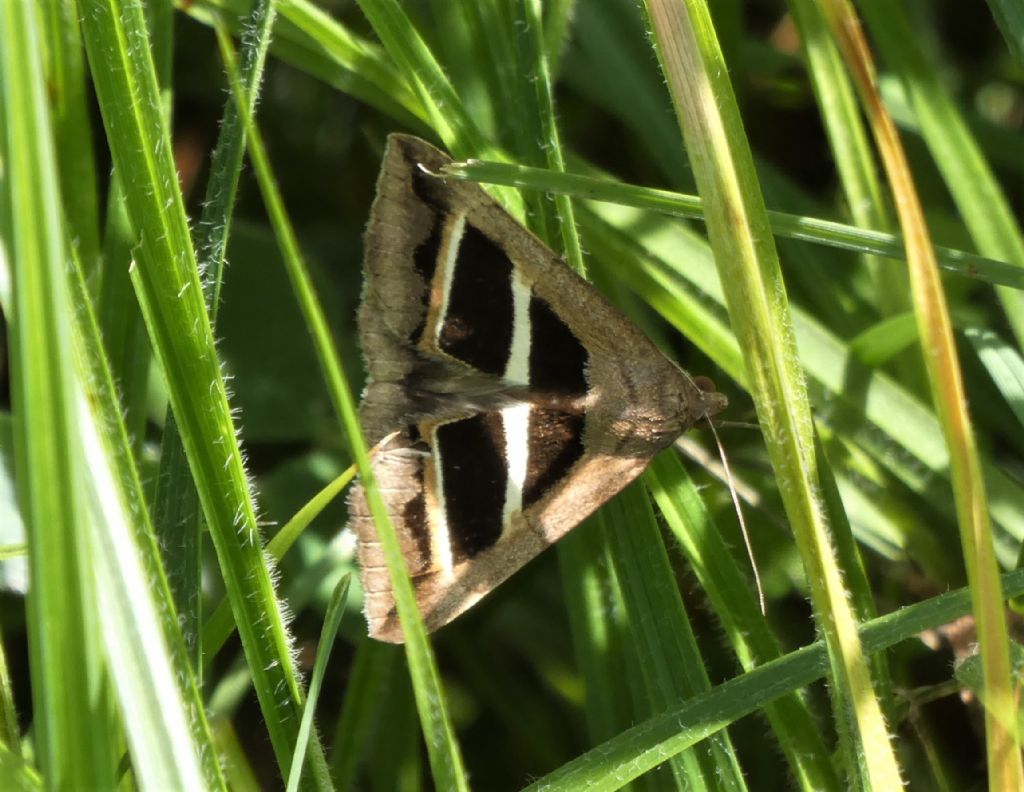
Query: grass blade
column 749, row 271
column 947, row 387
column 71, row 724
column 168, row 288
column 164, row 719
column 735, row 603
column 808, row 229
column 1004, row 365
column 613, row 764
column 179, row 518
column 332, row 621
column 973, row 186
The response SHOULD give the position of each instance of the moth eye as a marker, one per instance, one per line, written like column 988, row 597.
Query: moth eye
column 704, row 384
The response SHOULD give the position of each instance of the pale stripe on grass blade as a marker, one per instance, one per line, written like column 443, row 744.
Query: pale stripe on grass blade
column 161, row 707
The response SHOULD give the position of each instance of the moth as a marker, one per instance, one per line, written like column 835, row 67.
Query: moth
column 513, row 397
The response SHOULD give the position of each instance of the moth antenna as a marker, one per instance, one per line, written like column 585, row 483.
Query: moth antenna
column 739, row 515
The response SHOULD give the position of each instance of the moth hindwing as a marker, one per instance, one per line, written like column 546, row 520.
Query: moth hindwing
column 517, row 397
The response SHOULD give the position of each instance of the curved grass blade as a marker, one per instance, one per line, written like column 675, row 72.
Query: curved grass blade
column 220, row 624
column 312, row 41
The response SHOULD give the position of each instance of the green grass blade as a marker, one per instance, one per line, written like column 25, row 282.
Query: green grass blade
column 594, row 603
column 178, row 515
column 420, row 68
column 447, row 114
column 734, row 601
column 942, row 363
column 168, row 288
column 611, row 765
column 748, row 265
column 1009, row 15
column 808, row 229
column 72, row 129
column 673, row 272
column 671, row 665
column 373, row 666
column 850, row 144
column 971, row 182
column 220, row 624
column 312, row 41
column 9, row 734
column 329, row 633
column 72, row 738
column 214, row 226
column 1004, row 365
column 124, row 334
column 18, row 773
column 163, row 713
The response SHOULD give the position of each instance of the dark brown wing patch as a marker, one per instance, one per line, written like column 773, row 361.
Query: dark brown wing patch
column 477, row 326
column 555, row 445
column 558, row 361
column 474, row 475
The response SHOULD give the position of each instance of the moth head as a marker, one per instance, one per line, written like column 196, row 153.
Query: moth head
column 709, row 402
column 695, row 402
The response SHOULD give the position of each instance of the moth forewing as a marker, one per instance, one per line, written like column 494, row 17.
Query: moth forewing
column 522, row 399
